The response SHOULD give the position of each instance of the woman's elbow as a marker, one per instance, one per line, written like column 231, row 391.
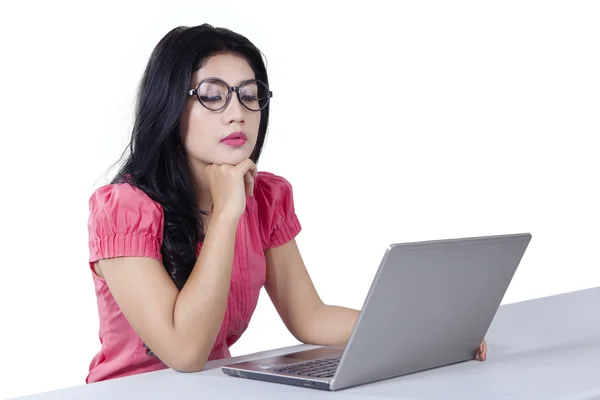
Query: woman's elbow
column 187, row 365
column 186, row 361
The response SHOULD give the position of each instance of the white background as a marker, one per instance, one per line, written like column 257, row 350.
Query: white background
column 411, row 121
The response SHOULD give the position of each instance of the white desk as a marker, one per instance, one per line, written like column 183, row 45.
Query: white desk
column 546, row 348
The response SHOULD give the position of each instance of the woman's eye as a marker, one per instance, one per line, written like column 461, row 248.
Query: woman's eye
column 210, row 98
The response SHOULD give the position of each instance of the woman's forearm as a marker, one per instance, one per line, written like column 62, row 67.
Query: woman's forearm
column 201, row 304
column 329, row 325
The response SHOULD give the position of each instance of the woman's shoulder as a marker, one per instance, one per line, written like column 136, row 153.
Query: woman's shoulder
column 275, row 207
column 270, row 185
column 121, row 195
column 125, row 208
column 124, row 221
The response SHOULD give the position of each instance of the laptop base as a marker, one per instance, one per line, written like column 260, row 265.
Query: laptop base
column 281, row 379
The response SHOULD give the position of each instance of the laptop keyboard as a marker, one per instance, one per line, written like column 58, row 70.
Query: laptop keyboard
column 319, row 368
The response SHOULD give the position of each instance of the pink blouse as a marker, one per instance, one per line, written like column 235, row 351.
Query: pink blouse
column 126, row 222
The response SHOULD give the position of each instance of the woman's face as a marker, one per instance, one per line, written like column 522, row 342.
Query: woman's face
column 205, row 132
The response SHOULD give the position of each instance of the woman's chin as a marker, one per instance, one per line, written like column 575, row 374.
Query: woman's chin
column 234, row 158
column 229, row 156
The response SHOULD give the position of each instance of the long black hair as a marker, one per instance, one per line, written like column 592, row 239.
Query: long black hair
column 157, row 162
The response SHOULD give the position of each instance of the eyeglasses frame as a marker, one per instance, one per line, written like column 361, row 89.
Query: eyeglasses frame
column 236, row 89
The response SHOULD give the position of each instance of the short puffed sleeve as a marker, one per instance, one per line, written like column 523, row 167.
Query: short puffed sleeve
column 124, row 222
column 277, row 217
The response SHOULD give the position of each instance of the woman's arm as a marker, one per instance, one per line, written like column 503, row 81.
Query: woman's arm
column 179, row 327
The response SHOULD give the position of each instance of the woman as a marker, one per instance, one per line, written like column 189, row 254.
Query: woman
column 187, row 234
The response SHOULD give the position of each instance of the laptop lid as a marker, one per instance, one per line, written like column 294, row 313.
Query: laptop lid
column 430, row 304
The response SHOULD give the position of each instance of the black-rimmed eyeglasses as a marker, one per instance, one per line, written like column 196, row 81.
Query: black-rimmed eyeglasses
column 215, row 94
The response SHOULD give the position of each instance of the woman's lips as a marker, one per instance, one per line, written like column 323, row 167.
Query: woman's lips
column 235, row 139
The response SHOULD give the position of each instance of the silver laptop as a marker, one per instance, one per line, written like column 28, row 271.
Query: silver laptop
column 430, row 305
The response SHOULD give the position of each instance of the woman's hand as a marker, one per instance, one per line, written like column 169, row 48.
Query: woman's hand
column 229, row 185
column 482, row 353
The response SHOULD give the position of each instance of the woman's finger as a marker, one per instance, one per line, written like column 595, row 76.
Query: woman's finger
column 482, row 351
